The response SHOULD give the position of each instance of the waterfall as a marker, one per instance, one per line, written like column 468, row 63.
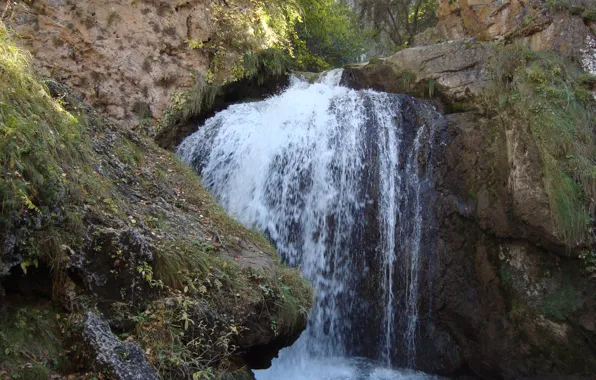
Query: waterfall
column 339, row 180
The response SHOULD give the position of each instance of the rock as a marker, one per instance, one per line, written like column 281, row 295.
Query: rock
column 569, row 36
column 108, row 266
column 530, row 22
column 454, row 70
column 529, row 197
column 118, row 57
column 110, row 356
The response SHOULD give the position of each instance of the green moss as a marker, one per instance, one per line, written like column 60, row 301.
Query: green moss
column 550, row 95
column 589, row 14
column 562, row 303
column 506, row 278
column 188, row 104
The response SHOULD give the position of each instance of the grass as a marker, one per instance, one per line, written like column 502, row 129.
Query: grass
column 553, row 97
column 584, row 8
column 45, row 171
column 188, row 104
column 272, row 62
column 38, row 138
column 198, row 195
column 48, row 160
column 181, row 332
column 31, row 343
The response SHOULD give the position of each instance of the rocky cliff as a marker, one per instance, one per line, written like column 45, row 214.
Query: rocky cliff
column 512, row 291
column 511, row 288
column 114, row 261
column 126, row 59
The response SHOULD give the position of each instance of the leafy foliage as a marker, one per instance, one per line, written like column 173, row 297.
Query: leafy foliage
column 397, row 21
column 329, row 35
column 551, row 95
column 246, row 25
column 31, row 343
column 258, row 37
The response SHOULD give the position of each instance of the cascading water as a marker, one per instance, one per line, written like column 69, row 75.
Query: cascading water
column 338, row 179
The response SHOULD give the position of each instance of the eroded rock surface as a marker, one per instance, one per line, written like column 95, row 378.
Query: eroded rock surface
column 536, row 23
column 126, row 60
column 453, row 69
column 112, row 357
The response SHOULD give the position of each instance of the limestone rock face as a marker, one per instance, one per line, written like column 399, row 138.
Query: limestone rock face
column 531, row 22
column 125, row 59
column 456, row 68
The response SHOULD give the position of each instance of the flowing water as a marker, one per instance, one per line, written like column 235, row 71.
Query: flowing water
column 339, row 181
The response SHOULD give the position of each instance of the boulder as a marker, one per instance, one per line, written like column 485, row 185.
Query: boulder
column 113, row 358
column 453, row 69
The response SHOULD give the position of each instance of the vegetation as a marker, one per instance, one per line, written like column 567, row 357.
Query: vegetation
column 328, row 37
column 584, row 8
column 67, row 175
column 562, row 303
column 31, row 343
column 181, row 332
column 187, row 104
column 396, row 22
column 43, row 150
column 257, row 37
column 553, row 97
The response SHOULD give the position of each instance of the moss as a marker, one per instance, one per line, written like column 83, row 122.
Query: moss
column 551, row 96
column 562, row 303
column 188, row 104
column 113, row 17
column 589, row 14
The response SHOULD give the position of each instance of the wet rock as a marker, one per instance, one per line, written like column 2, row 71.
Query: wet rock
column 112, row 357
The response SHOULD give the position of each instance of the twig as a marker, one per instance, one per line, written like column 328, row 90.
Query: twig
column 5, row 9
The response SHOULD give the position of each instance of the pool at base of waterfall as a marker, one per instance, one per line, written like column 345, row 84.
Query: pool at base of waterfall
column 336, row 369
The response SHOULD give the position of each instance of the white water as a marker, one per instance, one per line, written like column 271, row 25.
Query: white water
column 309, row 167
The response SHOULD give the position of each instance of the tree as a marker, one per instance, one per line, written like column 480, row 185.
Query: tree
column 397, row 21
column 328, row 36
